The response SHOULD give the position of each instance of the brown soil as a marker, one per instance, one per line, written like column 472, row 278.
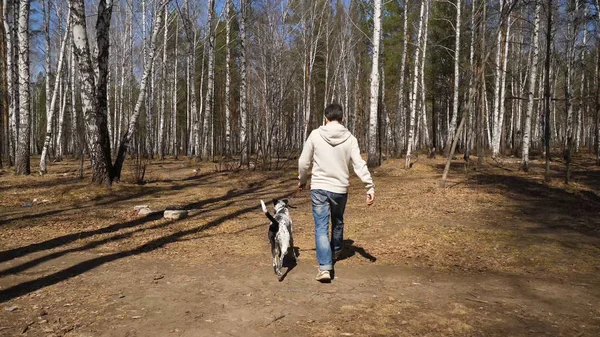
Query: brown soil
column 495, row 253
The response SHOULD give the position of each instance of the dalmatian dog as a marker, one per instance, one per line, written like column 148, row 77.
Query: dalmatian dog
column 280, row 233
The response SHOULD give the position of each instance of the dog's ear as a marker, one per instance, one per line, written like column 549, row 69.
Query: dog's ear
column 285, row 201
column 275, row 202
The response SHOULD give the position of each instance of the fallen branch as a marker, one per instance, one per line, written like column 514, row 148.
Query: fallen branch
column 476, row 300
column 275, row 320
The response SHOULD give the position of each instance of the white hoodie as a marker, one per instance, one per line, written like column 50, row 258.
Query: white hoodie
column 331, row 148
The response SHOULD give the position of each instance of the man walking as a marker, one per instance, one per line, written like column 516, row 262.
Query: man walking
column 330, row 149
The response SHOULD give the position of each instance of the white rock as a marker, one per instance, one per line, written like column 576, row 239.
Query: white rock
column 175, row 214
column 139, row 207
column 145, row 211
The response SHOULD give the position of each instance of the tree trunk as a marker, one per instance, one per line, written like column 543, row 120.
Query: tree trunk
column 227, row 78
column 547, row 92
column 372, row 160
column 208, row 104
column 401, row 112
column 52, row 106
column 175, row 146
column 580, row 106
column 4, row 51
column 126, row 138
column 48, row 66
column 161, row 117
column 243, row 81
column 95, row 120
column 423, row 109
column 413, row 94
column 530, row 91
column 22, row 163
column 456, row 76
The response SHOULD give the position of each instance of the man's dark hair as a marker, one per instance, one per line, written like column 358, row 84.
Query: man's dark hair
column 334, row 112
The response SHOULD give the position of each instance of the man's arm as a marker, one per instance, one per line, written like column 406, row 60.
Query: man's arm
column 362, row 171
column 305, row 161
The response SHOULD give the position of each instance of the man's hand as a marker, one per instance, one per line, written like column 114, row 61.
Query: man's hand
column 300, row 187
column 370, row 199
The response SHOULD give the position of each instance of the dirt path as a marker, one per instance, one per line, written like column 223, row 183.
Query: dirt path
column 148, row 297
column 497, row 254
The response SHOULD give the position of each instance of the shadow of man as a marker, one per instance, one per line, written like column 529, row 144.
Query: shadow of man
column 349, row 249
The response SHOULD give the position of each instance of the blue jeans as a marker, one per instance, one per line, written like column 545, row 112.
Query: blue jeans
column 327, row 204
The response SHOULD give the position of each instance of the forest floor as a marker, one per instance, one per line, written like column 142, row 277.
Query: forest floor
column 495, row 253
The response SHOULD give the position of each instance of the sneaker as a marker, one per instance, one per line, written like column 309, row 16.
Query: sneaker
column 323, row 276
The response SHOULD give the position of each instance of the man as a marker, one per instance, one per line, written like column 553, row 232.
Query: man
column 330, row 149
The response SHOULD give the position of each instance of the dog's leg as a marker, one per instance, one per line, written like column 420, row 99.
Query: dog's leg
column 293, row 249
column 275, row 262
column 278, row 261
column 281, row 258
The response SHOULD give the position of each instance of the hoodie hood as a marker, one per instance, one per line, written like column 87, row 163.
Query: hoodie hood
column 334, row 134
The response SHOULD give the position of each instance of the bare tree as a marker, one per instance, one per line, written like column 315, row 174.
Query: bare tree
column 372, row 160
column 161, row 117
column 413, row 94
column 227, row 77
column 22, row 163
column 456, row 75
column 52, row 106
column 209, row 102
column 531, row 90
column 243, row 82
column 95, row 120
column 126, row 138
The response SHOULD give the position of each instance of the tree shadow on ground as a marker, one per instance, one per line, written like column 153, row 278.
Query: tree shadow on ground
column 199, row 180
column 550, row 208
column 33, row 285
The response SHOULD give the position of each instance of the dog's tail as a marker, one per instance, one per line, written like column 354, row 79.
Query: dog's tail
column 266, row 211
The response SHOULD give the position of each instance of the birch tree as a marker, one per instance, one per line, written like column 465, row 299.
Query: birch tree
column 52, row 106
column 453, row 122
column 243, row 82
column 208, row 104
column 161, row 117
column 7, row 78
column 373, row 159
column 95, row 120
column 127, row 136
column 227, row 77
column 531, row 90
column 413, row 94
column 22, row 163
column 400, row 114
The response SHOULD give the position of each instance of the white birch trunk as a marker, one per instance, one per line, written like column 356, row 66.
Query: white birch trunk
column 22, row 163
column 580, row 106
column 161, row 116
column 61, row 123
column 455, row 103
column 413, row 94
column 174, row 147
column 10, row 75
column 422, row 76
column 500, row 122
column 52, row 106
column 497, row 85
column 243, row 81
column 46, row 11
column 372, row 152
column 126, row 139
column 74, row 119
column 208, row 104
column 530, row 91
column 227, row 78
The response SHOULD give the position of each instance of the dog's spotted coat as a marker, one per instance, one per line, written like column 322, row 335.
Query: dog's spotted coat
column 280, row 233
